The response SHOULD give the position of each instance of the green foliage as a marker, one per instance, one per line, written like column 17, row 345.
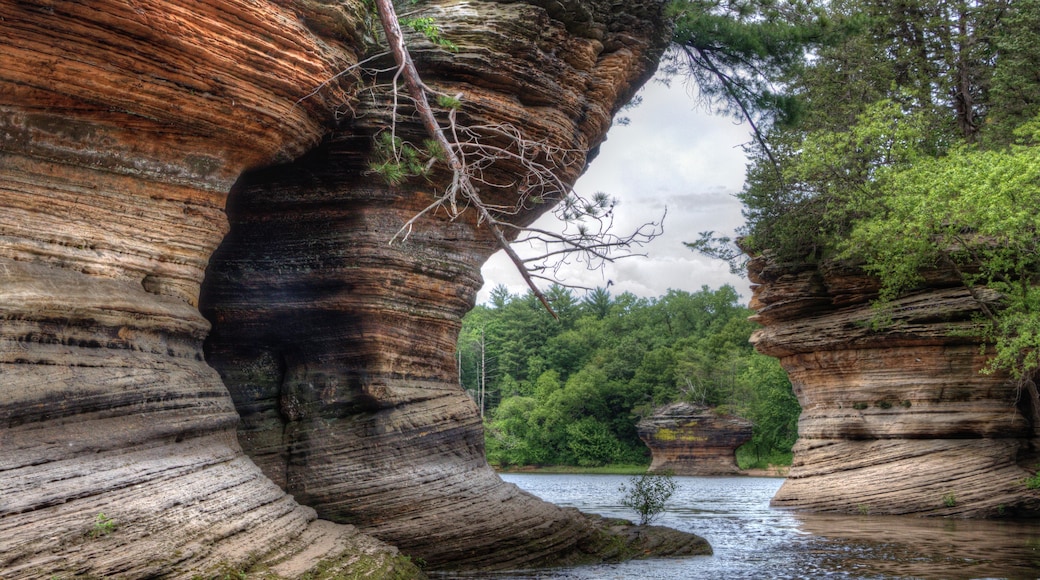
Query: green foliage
column 918, row 150
column 882, row 82
column 1033, row 482
column 766, row 399
column 575, row 209
column 736, row 51
column 611, row 469
column 1015, row 91
column 571, row 392
column 750, row 456
column 648, row 495
column 419, row 561
column 830, row 180
column 970, row 210
column 509, row 439
column 397, row 161
column 592, row 443
column 949, row 499
column 426, row 26
column 103, row 526
column 446, row 102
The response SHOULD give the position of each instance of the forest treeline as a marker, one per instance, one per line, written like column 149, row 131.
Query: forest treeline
column 570, row 392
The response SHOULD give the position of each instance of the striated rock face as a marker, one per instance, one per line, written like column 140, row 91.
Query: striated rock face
column 338, row 347
column 123, row 127
column 897, row 420
column 688, row 439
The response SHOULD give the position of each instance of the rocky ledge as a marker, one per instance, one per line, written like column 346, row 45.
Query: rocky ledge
column 125, row 131
column 688, row 439
column 896, row 419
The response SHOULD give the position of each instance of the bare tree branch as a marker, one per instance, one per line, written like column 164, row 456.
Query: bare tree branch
column 460, row 180
column 471, row 152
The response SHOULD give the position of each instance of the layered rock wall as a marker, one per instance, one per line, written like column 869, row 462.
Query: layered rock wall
column 123, row 126
column 688, row 439
column 898, row 418
column 338, row 346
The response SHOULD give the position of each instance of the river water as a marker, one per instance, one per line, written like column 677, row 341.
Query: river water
column 752, row 540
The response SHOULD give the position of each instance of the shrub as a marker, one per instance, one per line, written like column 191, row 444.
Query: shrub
column 647, row 494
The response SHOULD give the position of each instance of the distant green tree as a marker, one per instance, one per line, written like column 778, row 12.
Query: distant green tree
column 592, row 443
column 596, row 302
column 764, row 396
column 568, row 351
column 563, row 302
column 500, row 296
column 547, row 383
column 654, row 380
column 508, row 438
column 1015, row 91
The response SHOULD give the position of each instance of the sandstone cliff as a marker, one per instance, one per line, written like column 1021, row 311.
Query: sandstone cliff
column 688, row 439
column 897, row 420
column 123, row 127
column 337, row 347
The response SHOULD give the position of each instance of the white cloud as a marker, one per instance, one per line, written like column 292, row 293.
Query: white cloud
column 672, row 154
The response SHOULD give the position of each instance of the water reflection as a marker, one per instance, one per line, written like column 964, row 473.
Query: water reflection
column 927, row 548
column 753, row 541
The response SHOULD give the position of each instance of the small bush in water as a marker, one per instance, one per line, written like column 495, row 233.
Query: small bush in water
column 647, row 494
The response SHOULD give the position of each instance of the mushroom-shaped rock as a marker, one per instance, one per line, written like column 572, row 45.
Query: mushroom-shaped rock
column 688, row 439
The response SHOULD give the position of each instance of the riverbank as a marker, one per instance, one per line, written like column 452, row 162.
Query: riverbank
column 771, row 471
column 620, row 469
column 624, row 469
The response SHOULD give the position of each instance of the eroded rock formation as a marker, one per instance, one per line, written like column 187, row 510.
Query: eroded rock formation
column 897, row 420
column 338, row 346
column 687, row 439
column 123, row 127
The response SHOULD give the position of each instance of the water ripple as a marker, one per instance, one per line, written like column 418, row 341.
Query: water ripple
column 753, row 541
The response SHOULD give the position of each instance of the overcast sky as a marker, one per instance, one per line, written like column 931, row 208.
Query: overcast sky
column 672, row 154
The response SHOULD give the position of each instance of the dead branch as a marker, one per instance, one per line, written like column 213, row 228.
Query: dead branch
column 472, row 151
column 460, row 181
